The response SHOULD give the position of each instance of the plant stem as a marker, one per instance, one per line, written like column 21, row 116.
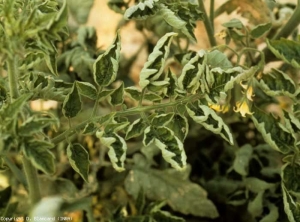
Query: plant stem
column 16, row 171
column 208, row 25
column 30, row 171
column 32, row 181
column 12, row 68
column 212, row 13
column 129, row 112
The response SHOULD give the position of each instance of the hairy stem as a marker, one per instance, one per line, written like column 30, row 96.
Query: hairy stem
column 208, row 25
column 32, row 181
column 12, row 69
column 30, row 171
column 16, row 171
column 129, row 112
column 212, row 13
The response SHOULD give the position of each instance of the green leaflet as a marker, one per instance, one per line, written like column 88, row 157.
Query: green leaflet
column 239, row 76
column 158, row 86
column 180, row 194
column 117, row 148
column 192, row 71
column 273, row 132
column 170, row 146
column 210, row 120
column 176, row 22
column 80, row 10
column 170, row 90
column 142, row 10
column 242, row 158
column 87, row 89
column 79, row 159
column 117, row 96
column 179, row 125
column 135, row 129
column 260, row 30
column 218, row 59
column 59, row 21
column 72, row 103
column 287, row 50
column 38, row 153
column 161, row 119
column 290, row 187
column 10, row 111
column 277, row 83
column 255, row 207
column 135, row 94
column 114, row 126
column 256, row 185
column 291, row 122
column 89, row 129
column 233, row 23
column 106, row 65
column 291, row 206
column 155, row 64
column 34, row 125
column 104, row 94
column 290, row 177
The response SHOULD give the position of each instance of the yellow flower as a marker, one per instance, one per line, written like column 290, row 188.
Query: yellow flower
column 222, row 34
column 249, row 91
column 243, row 108
column 219, row 108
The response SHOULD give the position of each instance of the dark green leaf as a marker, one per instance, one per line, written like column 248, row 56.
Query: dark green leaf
column 142, row 10
column 152, row 97
column 38, row 153
column 274, row 133
column 117, row 97
column 179, row 125
column 89, row 129
column 135, row 129
column 87, row 89
column 277, row 83
column 11, row 110
column 190, row 77
column 155, row 64
column 162, row 119
column 72, row 103
column 218, row 59
column 260, row 30
column 181, row 195
column 34, row 125
column 291, row 206
column 79, row 159
column 210, row 120
column 117, row 148
column 106, row 65
column 287, row 50
column 233, row 23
